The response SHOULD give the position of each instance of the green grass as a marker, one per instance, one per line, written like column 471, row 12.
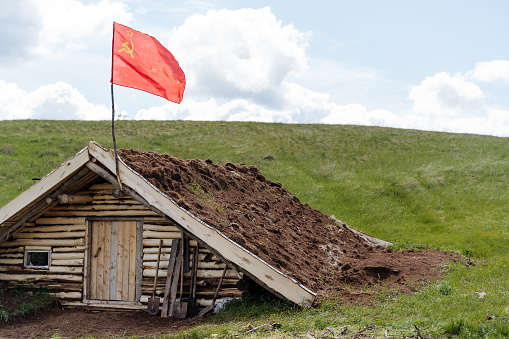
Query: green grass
column 414, row 188
column 22, row 300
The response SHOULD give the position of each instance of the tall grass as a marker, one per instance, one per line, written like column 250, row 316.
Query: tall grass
column 414, row 188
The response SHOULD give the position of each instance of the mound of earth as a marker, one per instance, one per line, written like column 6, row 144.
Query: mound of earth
column 320, row 252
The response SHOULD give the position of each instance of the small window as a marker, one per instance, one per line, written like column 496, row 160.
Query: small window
column 37, row 258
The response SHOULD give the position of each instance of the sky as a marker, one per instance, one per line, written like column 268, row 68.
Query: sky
column 440, row 65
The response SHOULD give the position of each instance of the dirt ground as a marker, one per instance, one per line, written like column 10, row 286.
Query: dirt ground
column 76, row 323
column 318, row 251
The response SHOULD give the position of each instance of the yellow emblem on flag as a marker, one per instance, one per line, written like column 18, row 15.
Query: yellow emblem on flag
column 126, row 47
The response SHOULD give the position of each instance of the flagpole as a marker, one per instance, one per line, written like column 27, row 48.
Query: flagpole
column 113, row 136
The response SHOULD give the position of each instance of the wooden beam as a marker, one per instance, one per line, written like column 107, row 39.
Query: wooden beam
column 61, row 221
column 40, row 277
column 74, row 198
column 47, row 242
column 44, row 186
column 51, row 235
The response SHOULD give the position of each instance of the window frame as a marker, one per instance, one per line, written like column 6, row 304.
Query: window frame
column 36, row 250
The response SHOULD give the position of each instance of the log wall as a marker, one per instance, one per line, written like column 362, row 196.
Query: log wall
column 63, row 229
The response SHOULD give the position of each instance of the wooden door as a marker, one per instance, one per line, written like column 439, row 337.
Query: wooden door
column 113, row 260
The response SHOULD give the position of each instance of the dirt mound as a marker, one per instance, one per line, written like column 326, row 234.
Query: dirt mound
column 268, row 220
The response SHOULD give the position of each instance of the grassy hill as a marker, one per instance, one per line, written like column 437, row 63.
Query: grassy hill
column 414, row 188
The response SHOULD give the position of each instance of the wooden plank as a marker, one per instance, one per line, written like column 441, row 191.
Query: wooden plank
column 111, row 200
column 54, row 228
column 135, row 213
column 139, row 260
column 11, row 261
column 97, row 207
column 112, row 285
column 60, row 221
column 148, row 256
column 71, row 262
column 95, row 245
column 100, row 258
column 160, row 228
column 120, row 261
column 204, row 274
column 132, row 260
column 158, row 221
column 40, row 277
column 68, row 255
column 74, row 198
column 68, row 295
column 162, row 265
column 87, row 264
column 166, row 242
column 153, row 250
column 11, row 249
column 107, row 261
column 69, row 249
column 66, row 269
column 175, row 280
column 48, row 242
column 162, row 235
column 11, row 255
column 52, row 235
column 44, row 186
column 102, row 306
column 127, row 261
column 170, row 273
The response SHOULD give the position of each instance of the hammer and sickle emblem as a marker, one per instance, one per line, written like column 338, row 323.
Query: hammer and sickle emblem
column 125, row 45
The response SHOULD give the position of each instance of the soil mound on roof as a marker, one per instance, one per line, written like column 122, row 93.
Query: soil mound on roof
column 268, row 220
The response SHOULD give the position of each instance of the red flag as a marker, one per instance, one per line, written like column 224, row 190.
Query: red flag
column 139, row 61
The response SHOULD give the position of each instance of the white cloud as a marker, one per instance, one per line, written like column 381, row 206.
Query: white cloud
column 53, row 27
column 359, row 115
column 59, row 101
column 215, row 109
column 446, row 95
column 489, row 71
column 236, row 63
column 241, row 53
column 299, row 104
column 455, row 104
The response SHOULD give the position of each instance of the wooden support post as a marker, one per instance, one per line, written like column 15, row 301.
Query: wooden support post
column 172, row 277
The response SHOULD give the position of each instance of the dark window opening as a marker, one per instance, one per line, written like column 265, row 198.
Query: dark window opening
column 37, row 258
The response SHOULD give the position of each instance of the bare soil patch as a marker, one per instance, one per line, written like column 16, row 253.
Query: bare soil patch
column 320, row 252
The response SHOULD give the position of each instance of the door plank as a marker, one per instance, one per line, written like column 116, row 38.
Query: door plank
column 93, row 266
column 112, row 286
column 99, row 259
column 107, row 260
column 132, row 260
column 120, row 260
